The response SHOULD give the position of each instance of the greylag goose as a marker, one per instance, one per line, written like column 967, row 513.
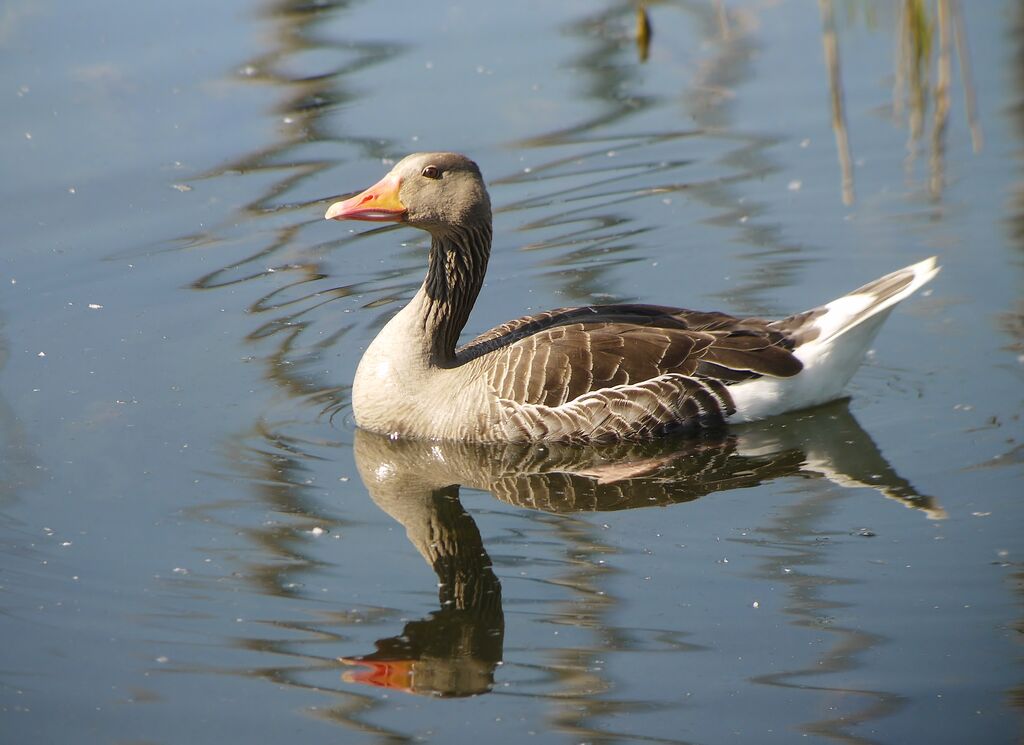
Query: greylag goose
column 592, row 373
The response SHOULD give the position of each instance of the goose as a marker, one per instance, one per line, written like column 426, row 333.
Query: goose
column 594, row 373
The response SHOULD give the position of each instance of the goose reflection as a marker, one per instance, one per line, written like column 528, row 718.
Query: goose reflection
column 456, row 649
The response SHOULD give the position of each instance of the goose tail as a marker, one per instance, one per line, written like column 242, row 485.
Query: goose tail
column 831, row 342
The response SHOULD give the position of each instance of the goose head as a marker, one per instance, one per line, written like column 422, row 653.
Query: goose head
column 436, row 192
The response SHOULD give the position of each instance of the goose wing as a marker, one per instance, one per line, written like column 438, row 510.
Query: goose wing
column 624, row 370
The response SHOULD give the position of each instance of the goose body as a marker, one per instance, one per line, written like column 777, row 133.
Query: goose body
column 592, row 373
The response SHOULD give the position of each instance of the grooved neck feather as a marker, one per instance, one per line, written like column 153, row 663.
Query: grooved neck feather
column 457, row 264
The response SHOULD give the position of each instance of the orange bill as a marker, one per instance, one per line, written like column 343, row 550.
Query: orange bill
column 379, row 203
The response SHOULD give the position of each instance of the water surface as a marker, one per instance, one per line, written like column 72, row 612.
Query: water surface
column 197, row 544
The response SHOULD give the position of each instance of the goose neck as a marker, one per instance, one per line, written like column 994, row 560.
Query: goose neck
column 458, row 262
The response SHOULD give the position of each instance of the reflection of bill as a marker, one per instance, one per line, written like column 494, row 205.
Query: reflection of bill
column 396, row 674
column 424, row 675
column 455, row 650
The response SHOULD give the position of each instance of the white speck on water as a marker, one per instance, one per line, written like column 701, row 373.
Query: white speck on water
column 95, row 306
column 163, row 659
column 795, row 185
column 180, row 570
column 41, row 354
column 755, row 604
column 72, row 190
column 317, row 531
column 744, row 219
column 28, row 135
column 65, row 544
column 980, row 514
column 181, row 187
column 805, row 142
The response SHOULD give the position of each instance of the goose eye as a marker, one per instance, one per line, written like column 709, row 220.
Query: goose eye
column 432, row 172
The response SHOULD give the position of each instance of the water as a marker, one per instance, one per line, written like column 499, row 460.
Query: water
column 198, row 546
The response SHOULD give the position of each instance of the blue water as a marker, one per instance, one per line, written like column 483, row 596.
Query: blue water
column 193, row 535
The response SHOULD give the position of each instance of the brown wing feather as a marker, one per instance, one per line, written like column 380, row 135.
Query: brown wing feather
column 555, row 357
column 634, row 314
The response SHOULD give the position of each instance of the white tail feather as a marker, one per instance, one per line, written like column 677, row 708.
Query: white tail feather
column 839, row 335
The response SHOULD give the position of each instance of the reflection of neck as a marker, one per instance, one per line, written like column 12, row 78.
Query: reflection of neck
column 458, row 262
column 451, row 543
